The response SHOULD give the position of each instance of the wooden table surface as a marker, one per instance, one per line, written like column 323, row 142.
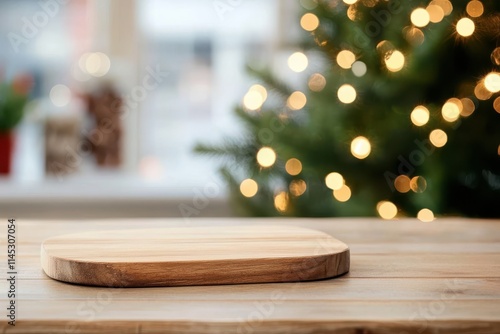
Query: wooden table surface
column 406, row 277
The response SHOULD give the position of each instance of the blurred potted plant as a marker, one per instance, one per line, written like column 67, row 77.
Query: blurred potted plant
column 13, row 98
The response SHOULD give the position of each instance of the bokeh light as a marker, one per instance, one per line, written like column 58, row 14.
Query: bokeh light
column 309, row 22
column 425, row 215
column 346, row 94
column 358, row 68
column 345, row 59
column 475, row 8
column 60, row 95
column 465, row 27
column 420, row 115
column 451, row 109
column 293, row 166
column 253, row 100
column 317, row 82
column 281, row 201
column 387, row 210
column 402, row 184
column 492, row 82
column 298, row 187
column 249, row 188
column 394, row 60
column 298, row 62
column 438, row 137
column 266, row 157
column 436, row 13
column 495, row 56
column 496, row 104
column 297, row 100
column 420, row 17
column 360, row 147
column 343, row 194
column 481, row 92
column 334, row 181
column 418, row 184
column 468, row 107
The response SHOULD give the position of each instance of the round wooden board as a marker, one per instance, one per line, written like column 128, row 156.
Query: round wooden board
column 194, row 256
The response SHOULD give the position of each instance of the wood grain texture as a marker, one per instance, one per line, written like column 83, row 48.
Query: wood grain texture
column 194, row 256
column 406, row 277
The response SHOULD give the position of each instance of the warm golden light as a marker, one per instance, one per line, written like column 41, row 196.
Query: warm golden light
column 418, row 184
column 266, row 157
column 475, row 8
column 253, row 100
column 350, row 2
column 249, row 188
column 465, row 27
column 297, row 100
column 481, row 92
column 334, row 181
column 438, row 138
column 420, row 116
column 451, row 110
column 425, row 215
column 492, row 82
column 436, row 13
column 394, row 61
column 415, row 36
column 387, row 210
column 343, row 194
column 495, row 56
column 346, row 94
column 293, row 166
column 345, row 59
column 496, row 104
column 498, row 150
column 298, row 187
column 316, row 82
column 259, row 89
column 468, row 107
column 309, row 22
column 298, row 62
column 358, row 68
column 281, row 201
column 360, row 147
column 402, row 184
column 419, row 17
column 445, row 5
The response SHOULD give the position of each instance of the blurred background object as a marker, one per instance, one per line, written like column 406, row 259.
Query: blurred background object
column 397, row 114
column 338, row 91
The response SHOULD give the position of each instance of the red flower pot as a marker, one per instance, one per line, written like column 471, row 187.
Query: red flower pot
column 6, row 148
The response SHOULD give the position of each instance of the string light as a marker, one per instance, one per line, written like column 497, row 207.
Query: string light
column 316, row 82
column 266, row 157
column 420, row 17
column 475, row 8
column 298, row 62
column 358, row 68
column 419, row 116
column 496, row 104
column 445, row 5
column 387, row 210
column 334, row 181
column 436, row 13
column 255, row 97
column 394, row 60
column 492, row 82
column 468, row 107
column 345, row 59
column 309, row 22
column 249, row 188
column 481, row 92
column 346, row 94
column 350, row 2
column 298, row 187
column 418, row 184
column 360, row 147
column 402, row 184
column 297, row 100
column 451, row 110
column 425, row 215
column 293, row 166
column 438, row 138
column 343, row 194
column 465, row 27
column 281, row 201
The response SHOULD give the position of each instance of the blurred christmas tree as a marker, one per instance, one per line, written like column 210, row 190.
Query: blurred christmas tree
column 403, row 120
